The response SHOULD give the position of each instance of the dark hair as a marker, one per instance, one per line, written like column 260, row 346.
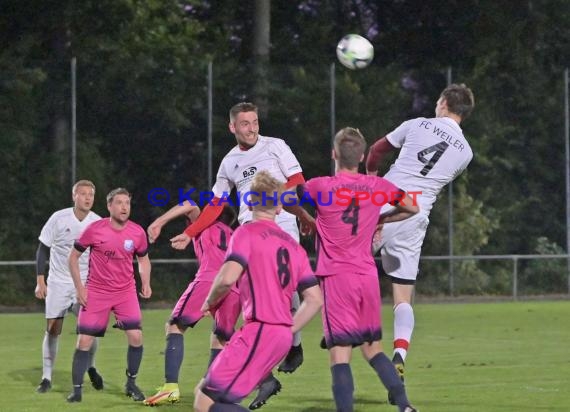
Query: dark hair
column 460, row 99
column 349, row 145
column 117, row 191
column 241, row 108
column 228, row 216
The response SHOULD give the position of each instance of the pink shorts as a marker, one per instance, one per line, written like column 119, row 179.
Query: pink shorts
column 94, row 317
column 187, row 312
column 351, row 311
column 246, row 360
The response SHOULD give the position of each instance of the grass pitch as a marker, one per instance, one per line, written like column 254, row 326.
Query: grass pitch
column 464, row 357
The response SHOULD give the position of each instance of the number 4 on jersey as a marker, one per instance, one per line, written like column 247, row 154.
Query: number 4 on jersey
column 437, row 150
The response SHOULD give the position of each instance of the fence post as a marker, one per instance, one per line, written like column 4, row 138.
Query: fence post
column 515, row 277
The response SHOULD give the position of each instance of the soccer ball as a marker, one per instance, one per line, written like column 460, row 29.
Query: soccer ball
column 354, row 51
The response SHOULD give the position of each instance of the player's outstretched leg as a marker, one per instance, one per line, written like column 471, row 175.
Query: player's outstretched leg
column 269, row 386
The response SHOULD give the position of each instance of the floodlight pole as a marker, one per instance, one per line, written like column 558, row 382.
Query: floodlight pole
column 450, row 216
column 567, row 162
column 333, row 111
column 73, row 120
column 210, row 116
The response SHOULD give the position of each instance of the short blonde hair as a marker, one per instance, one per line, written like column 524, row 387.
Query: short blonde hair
column 349, row 145
column 266, row 191
column 87, row 183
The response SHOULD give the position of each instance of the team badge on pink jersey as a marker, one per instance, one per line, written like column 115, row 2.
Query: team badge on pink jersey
column 129, row 245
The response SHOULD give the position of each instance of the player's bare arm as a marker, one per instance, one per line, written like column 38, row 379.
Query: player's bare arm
column 185, row 209
column 228, row 275
column 209, row 215
column 312, row 302
column 407, row 207
column 75, row 275
column 144, row 273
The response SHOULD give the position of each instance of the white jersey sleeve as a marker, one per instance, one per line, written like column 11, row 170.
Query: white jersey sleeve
column 49, row 231
column 398, row 136
column 288, row 163
column 224, row 183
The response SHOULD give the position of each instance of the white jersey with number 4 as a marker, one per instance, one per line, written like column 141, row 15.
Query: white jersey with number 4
column 433, row 153
column 239, row 167
column 59, row 233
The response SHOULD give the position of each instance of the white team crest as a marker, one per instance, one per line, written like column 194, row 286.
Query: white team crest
column 129, row 245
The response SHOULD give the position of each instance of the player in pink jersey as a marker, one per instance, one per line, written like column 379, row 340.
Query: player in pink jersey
column 348, row 205
column 210, row 247
column 110, row 287
column 268, row 265
column 433, row 152
column 254, row 153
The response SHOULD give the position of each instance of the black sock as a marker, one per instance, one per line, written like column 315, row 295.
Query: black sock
column 134, row 358
column 173, row 356
column 213, row 354
column 342, row 387
column 78, row 369
column 389, row 377
column 226, row 407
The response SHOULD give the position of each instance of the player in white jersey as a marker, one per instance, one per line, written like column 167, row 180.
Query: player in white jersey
column 254, row 153
column 56, row 240
column 433, row 152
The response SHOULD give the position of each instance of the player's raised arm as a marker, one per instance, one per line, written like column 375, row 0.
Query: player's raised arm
column 209, row 215
column 185, row 209
column 376, row 153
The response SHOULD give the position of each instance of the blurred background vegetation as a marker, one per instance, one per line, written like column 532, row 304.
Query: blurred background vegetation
column 142, row 106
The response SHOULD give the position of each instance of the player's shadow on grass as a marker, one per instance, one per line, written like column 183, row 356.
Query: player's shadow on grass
column 33, row 376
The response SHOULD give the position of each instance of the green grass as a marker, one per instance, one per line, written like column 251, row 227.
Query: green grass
column 464, row 357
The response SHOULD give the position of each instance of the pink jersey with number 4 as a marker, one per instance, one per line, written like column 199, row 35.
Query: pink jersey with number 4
column 112, row 252
column 274, row 265
column 348, row 206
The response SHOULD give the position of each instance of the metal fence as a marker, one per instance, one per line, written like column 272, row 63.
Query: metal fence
column 501, row 276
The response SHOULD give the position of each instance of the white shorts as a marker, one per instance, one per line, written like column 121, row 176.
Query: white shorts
column 401, row 246
column 59, row 299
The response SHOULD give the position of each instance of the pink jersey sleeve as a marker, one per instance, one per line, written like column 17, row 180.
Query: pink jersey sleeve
column 239, row 249
column 393, row 193
column 142, row 246
column 85, row 240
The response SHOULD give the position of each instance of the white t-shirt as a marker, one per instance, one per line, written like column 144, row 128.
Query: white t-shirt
column 59, row 233
column 433, row 153
column 238, row 168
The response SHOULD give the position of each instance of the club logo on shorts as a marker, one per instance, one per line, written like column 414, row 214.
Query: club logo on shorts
column 129, row 245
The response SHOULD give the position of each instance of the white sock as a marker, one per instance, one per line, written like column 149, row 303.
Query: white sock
column 49, row 352
column 403, row 328
column 295, row 303
column 92, row 351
